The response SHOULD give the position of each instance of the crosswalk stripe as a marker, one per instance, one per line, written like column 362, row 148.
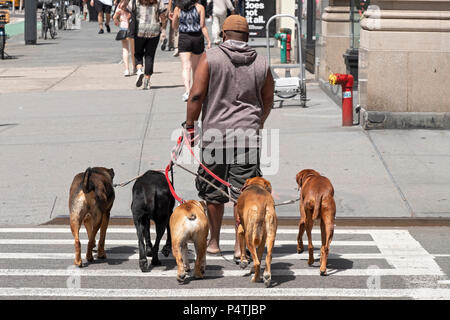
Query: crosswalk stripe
column 225, row 230
column 73, row 271
column 422, row 293
column 135, row 256
column 134, row 242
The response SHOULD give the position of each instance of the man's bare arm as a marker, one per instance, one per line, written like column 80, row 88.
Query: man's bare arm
column 267, row 96
column 198, row 91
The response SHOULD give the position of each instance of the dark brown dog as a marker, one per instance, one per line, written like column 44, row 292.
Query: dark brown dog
column 316, row 200
column 90, row 201
column 257, row 225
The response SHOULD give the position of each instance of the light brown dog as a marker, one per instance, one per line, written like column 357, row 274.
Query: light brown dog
column 257, row 225
column 316, row 200
column 188, row 223
column 91, row 198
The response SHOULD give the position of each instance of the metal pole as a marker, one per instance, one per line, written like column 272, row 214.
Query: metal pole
column 30, row 21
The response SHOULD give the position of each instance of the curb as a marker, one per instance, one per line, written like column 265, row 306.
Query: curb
column 293, row 222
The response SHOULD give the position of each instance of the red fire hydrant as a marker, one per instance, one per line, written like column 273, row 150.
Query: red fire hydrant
column 346, row 82
column 288, row 48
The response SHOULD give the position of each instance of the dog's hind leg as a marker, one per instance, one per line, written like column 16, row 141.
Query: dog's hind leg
column 200, row 261
column 148, row 241
column 271, row 226
column 177, row 253
column 101, row 242
column 244, row 260
column 256, row 262
column 143, row 264
column 309, row 226
column 160, row 228
column 166, row 249
column 301, row 229
column 88, row 223
column 325, row 250
column 75, row 228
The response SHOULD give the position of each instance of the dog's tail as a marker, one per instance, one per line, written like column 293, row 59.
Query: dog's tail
column 87, row 185
column 191, row 216
column 317, row 205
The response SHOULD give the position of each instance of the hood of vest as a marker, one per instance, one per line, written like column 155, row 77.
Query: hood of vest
column 238, row 52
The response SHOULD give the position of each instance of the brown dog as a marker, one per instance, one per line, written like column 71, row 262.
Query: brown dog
column 91, row 198
column 257, row 224
column 316, row 200
column 188, row 223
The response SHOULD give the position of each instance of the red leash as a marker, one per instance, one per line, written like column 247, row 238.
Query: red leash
column 225, row 183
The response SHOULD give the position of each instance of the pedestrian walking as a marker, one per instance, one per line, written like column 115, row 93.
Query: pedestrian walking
column 103, row 7
column 121, row 19
column 219, row 14
column 232, row 90
column 164, row 20
column 189, row 18
column 146, row 32
column 85, row 10
column 173, row 33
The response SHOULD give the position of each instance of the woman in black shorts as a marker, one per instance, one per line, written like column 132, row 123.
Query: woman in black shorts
column 189, row 19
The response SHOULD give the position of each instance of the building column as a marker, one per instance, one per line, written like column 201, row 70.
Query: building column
column 335, row 38
column 404, row 65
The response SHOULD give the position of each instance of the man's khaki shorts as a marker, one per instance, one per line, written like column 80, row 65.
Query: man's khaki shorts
column 235, row 167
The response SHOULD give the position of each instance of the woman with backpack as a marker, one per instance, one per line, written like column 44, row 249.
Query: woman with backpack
column 189, row 19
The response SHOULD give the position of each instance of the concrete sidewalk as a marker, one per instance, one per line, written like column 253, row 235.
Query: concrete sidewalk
column 66, row 106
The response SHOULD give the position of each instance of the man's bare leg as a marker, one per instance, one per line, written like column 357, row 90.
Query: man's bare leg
column 215, row 216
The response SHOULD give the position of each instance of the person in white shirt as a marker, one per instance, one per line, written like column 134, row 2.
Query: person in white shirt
column 219, row 14
column 103, row 6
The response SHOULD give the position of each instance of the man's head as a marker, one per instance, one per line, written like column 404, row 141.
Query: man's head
column 235, row 27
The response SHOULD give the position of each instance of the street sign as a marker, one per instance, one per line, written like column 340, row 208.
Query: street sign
column 257, row 13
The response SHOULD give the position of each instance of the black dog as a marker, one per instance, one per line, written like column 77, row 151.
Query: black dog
column 152, row 200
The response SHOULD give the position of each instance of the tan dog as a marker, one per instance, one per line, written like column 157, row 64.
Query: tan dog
column 257, row 225
column 316, row 200
column 91, row 198
column 188, row 223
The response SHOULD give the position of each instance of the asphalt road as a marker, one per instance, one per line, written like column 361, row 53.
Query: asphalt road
column 365, row 263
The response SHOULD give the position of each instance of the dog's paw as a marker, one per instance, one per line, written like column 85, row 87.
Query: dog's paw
column 181, row 277
column 267, row 279
column 243, row 264
column 78, row 264
column 143, row 265
column 323, row 273
column 256, row 279
column 101, row 256
column 89, row 258
column 300, row 250
column 166, row 250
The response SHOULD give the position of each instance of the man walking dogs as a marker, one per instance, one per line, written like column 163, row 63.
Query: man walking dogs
column 233, row 91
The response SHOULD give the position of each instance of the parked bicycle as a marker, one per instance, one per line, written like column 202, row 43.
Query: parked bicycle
column 48, row 20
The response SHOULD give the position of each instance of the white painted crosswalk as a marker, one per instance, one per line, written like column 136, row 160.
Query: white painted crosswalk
column 359, row 257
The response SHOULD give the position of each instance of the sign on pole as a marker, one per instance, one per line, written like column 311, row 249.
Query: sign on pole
column 257, row 13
